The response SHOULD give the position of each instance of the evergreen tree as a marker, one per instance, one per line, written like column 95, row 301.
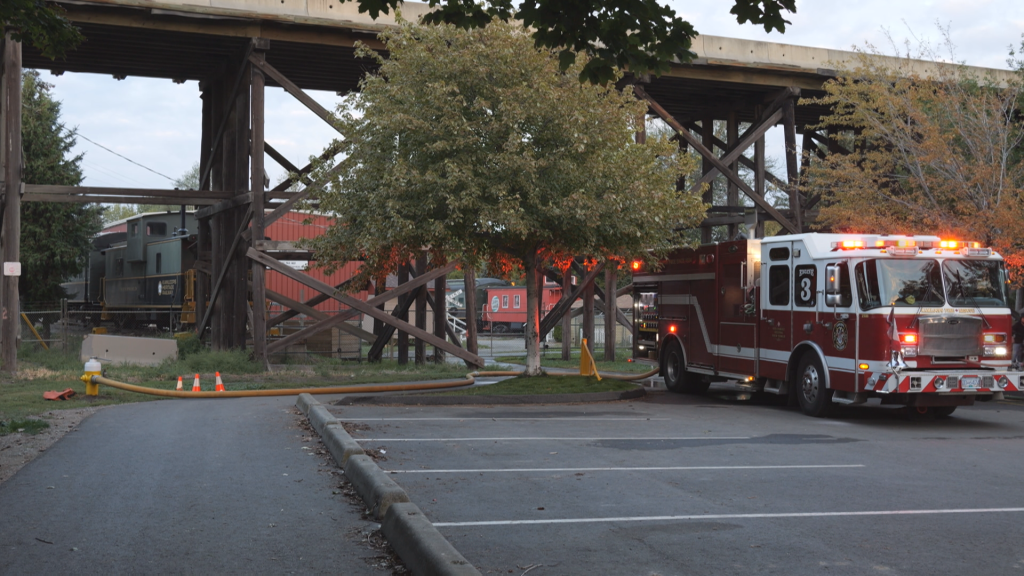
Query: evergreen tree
column 55, row 237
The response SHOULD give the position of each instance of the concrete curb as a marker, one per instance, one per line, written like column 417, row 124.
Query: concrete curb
column 423, row 549
column 423, row 400
column 305, row 401
column 414, row 537
column 373, row 484
column 340, row 444
column 320, row 418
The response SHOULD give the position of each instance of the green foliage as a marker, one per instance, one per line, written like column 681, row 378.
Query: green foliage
column 55, row 238
column 644, row 36
column 556, row 332
column 474, row 143
column 26, row 426
column 42, row 24
column 188, row 344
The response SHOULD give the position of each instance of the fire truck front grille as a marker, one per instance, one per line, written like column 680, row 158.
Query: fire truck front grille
column 950, row 336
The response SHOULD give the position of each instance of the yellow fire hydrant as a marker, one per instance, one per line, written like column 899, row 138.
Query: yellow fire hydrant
column 92, row 368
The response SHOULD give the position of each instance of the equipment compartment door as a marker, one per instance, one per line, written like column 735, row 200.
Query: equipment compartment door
column 737, row 329
column 776, row 324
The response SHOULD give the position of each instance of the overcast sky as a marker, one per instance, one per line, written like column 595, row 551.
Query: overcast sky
column 156, row 123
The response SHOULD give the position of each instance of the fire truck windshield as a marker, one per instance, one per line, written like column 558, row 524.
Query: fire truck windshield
column 975, row 283
column 900, row 283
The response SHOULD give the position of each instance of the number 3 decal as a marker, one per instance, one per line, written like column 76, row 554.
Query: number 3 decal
column 805, row 289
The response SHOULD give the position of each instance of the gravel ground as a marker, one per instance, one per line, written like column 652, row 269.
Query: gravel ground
column 17, row 450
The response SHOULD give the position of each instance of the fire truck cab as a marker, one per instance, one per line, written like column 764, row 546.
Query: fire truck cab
column 832, row 319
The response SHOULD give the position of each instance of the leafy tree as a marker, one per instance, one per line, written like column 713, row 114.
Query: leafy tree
column 55, row 237
column 42, row 24
column 935, row 154
column 474, row 143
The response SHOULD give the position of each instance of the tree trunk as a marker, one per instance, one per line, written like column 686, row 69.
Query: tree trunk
column 531, row 330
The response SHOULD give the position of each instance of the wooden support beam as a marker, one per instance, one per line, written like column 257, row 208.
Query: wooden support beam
column 403, row 337
column 286, row 206
column 439, row 306
column 369, row 307
column 384, row 335
column 223, row 272
column 319, row 298
column 707, row 133
column 610, row 308
column 419, row 345
column 256, row 163
column 555, row 315
column 693, row 141
column 566, row 317
column 294, row 90
column 318, row 315
column 747, row 162
column 233, row 202
column 224, row 117
column 471, row 311
column 91, row 194
column 732, row 194
column 279, row 158
column 10, row 242
column 792, row 169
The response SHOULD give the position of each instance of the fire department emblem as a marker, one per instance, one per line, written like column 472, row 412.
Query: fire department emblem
column 840, row 336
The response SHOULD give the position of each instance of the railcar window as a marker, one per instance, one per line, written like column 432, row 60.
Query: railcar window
column 504, row 301
column 778, row 285
column 135, row 229
column 156, row 229
column 517, row 301
column 119, row 267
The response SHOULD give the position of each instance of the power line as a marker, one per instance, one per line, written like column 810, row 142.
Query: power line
column 75, row 133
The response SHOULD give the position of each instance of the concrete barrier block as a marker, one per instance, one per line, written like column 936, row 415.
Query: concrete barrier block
column 340, row 444
column 319, row 417
column 377, row 490
column 423, row 549
column 128, row 349
column 305, row 401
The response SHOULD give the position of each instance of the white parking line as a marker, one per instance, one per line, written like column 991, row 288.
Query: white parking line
column 729, row 517
column 623, row 469
column 575, row 419
column 546, row 439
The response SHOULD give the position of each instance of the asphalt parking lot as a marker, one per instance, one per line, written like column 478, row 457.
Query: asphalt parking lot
column 683, row 485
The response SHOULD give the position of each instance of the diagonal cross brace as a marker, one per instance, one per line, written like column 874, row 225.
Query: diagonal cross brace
column 369, row 307
column 716, row 162
column 556, row 313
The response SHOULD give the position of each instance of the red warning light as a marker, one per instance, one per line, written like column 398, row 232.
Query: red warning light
column 672, row 328
column 635, row 265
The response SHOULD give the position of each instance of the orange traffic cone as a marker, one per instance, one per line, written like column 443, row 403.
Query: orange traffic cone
column 220, row 385
column 195, row 384
column 179, row 383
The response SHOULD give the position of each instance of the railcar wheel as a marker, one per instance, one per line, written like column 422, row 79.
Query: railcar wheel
column 811, row 392
column 500, row 328
column 677, row 379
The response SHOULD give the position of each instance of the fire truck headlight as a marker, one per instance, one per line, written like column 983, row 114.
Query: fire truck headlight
column 995, row 350
column 641, row 346
column 910, row 351
column 1002, row 381
column 940, row 383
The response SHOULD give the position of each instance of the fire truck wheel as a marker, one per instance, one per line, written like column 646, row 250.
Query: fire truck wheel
column 943, row 411
column 677, row 379
column 810, row 387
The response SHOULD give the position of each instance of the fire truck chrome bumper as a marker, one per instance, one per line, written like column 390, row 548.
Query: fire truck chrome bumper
column 941, row 383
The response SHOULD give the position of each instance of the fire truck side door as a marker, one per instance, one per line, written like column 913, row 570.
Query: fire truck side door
column 776, row 322
column 736, row 333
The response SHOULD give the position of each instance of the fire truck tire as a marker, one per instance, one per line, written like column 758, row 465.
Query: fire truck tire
column 677, row 379
column 943, row 411
column 811, row 392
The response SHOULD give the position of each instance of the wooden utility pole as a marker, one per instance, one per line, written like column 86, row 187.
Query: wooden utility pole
column 732, row 195
column 707, row 128
column 567, row 317
column 11, row 236
column 259, row 293
column 421, row 310
column 610, row 286
column 440, row 314
column 470, row 287
column 588, row 313
column 403, row 337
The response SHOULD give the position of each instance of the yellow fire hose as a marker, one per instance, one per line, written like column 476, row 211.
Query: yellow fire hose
column 93, row 380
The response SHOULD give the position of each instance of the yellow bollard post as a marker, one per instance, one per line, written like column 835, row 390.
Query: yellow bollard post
column 92, row 368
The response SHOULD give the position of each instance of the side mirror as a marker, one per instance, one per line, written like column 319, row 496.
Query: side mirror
column 832, row 295
column 832, row 279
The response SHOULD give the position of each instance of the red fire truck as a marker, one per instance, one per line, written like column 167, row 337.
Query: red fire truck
column 832, row 319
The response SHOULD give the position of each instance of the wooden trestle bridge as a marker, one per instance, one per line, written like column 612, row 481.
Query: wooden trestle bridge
column 235, row 48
